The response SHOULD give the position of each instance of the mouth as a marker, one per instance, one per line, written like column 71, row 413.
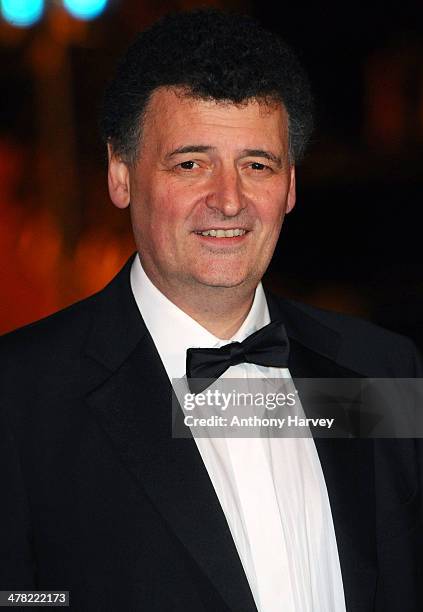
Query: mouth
column 236, row 232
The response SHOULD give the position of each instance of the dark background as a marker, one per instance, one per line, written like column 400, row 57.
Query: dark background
column 352, row 243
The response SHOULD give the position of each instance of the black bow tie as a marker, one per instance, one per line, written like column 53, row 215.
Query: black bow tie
column 268, row 346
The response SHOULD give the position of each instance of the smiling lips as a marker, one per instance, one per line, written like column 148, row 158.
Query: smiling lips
column 221, row 233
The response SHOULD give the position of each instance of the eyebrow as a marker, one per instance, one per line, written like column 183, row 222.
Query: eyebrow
column 190, row 149
column 261, row 153
column 245, row 153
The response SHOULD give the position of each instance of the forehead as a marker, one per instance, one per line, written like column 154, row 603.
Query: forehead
column 173, row 116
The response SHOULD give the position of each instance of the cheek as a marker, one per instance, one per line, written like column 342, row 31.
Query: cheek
column 173, row 213
column 153, row 210
column 271, row 209
column 170, row 206
column 162, row 224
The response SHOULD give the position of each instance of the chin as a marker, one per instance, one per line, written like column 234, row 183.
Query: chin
column 225, row 278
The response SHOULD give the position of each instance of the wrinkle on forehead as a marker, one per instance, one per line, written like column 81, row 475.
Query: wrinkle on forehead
column 161, row 100
column 209, row 112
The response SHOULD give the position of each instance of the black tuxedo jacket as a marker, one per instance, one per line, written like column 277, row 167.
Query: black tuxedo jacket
column 98, row 499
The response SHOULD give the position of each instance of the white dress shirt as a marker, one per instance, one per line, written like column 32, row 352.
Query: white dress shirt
column 271, row 490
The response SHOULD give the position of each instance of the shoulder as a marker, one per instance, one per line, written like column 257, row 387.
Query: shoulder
column 47, row 358
column 75, row 348
column 361, row 345
column 64, row 329
column 350, row 327
column 64, row 333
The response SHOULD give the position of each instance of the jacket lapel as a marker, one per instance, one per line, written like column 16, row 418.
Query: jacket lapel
column 134, row 407
column 347, row 464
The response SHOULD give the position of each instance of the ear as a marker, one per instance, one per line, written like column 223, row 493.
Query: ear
column 118, row 179
column 291, row 191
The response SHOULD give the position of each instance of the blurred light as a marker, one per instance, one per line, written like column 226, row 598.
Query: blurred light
column 85, row 9
column 21, row 13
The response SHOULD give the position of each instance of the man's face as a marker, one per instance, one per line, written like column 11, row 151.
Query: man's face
column 208, row 192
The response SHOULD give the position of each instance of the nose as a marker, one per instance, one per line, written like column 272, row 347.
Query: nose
column 225, row 194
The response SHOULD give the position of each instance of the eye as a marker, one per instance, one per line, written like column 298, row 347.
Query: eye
column 259, row 166
column 187, row 165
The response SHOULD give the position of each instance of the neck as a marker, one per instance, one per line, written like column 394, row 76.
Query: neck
column 222, row 312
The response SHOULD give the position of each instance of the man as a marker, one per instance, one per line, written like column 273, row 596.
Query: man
column 204, row 122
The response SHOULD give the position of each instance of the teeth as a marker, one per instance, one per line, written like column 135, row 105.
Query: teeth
column 220, row 233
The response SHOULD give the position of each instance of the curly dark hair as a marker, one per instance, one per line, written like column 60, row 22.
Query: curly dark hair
column 212, row 55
